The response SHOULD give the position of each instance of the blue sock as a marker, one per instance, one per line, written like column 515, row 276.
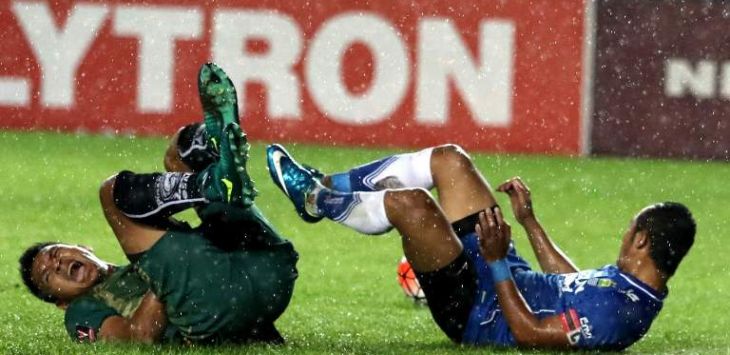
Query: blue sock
column 361, row 178
column 341, row 182
column 335, row 204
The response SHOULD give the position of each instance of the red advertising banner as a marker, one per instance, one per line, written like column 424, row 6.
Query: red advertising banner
column 662, row 79
column 490, row 75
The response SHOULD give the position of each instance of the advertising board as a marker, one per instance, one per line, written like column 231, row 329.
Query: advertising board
column 502, row 76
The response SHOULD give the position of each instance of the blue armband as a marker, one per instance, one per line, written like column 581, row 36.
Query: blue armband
column 500, row 270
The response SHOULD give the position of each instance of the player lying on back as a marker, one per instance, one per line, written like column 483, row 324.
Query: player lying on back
column 227, row 280
column 479, row 290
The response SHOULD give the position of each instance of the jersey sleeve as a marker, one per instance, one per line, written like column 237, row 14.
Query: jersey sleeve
column 84, row 317
column 603, row 320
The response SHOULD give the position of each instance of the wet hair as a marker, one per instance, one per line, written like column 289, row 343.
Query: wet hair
column 671, row 230
column 26, row 268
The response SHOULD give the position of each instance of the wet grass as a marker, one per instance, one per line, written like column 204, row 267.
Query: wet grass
column 346, row 300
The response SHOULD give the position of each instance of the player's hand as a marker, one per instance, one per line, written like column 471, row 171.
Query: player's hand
column 494, row 234
column 519, row 197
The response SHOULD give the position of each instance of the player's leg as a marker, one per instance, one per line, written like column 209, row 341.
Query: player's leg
column 135, row 204
column 437, row 257
column 147, row 200
column 134, row 237
column 436, row 254
column 462, row 189
column 195, row 146
column 429, row 241
column 400, row 170
column 172, row 160
column 190, row 150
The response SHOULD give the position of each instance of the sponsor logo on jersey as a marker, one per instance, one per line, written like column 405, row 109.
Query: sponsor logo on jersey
column 576, row 327
column 576, row 282
column 630, row 294
column 85, row 334
column 574, row 337
column 601, row 283
column 586, row 328
column 571, row 325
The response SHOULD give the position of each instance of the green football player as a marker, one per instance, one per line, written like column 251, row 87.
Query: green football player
column 227, row 280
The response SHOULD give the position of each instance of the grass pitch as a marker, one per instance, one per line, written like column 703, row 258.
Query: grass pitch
column 347, row 299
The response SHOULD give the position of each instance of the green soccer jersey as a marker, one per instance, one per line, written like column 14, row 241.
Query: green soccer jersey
column 209, row 292
column 119, row 294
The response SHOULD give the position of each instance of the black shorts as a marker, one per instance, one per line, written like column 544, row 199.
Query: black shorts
column 450, row 291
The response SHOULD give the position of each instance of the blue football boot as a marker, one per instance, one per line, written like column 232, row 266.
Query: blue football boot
column 293, row 179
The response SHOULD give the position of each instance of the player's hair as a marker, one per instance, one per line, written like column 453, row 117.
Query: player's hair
column 26, row 268
column 671, row 230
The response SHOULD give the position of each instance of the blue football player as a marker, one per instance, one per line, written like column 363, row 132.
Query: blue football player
column 479, row 290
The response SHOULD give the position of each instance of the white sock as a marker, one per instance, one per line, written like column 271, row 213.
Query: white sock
column 361, row 211
column 411, row 169
column 402, row 170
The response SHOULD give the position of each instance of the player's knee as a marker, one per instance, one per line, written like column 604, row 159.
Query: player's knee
column 106, row 190
column 451, row 156
column 171, row 160
column 412, row 200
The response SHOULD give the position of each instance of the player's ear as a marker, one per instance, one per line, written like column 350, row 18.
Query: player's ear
column 62, row 305
column 641, row 240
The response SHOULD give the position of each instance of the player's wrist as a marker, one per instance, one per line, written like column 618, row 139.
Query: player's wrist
column 500, row 270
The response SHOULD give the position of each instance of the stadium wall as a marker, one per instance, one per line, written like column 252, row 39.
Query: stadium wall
column 662, row 79
column 501, row 76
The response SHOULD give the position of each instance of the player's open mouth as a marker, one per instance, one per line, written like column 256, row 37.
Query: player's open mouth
column 76, row 271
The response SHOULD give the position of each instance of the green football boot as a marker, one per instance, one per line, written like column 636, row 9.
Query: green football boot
column 226, row 182
column 219, row 101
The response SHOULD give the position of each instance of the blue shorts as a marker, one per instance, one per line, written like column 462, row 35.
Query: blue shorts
column 485, row 312
column 453, row 290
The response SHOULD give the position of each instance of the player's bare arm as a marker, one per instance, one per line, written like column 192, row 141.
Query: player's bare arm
column 146, row 325
column 549, row 255
column 529, row 331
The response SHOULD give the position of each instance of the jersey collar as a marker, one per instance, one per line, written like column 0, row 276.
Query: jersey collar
column 641, row 286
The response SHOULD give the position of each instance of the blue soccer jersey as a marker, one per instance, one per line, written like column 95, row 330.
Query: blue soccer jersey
column 600, row 308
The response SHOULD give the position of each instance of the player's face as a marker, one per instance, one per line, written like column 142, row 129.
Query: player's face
column 66, row 271
column 626, row 244
column 628, row 239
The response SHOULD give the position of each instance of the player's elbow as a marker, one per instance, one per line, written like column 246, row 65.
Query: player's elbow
column 537, row 338
column 526, row 339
